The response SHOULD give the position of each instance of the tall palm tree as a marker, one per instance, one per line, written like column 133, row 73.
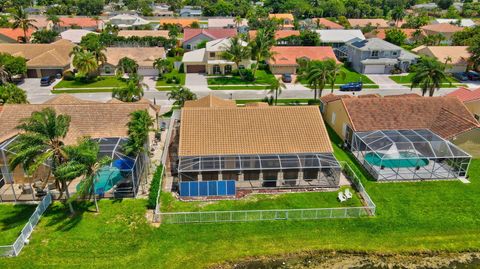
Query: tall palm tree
column 260, row 47
column 139, row 126
column 238, row 21
column 317, row 76
column 335, row 71
column 40, row 142
column 161, row 65
column 128, row 93
column 180, row 95
column 429, row 75
column 83, row 162
column 398, row 14
column 236, row 51
column 54, row 19
column 85, row 62
column 127, row 66
column 21, row 20
column 276, row 86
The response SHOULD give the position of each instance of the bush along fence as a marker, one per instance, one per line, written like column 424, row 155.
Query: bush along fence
column 276, row 214
column 16, row 248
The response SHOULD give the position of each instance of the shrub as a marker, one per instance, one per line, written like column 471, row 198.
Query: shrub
column 68, row 75
column 174, row 80
column 169, row 80
column 180, row 70
column 248, row 75
column 312, row 102
column 263, row 66
column 154, row 187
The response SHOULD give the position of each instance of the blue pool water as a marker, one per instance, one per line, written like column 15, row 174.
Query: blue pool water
column 405, row 159
column 107, row 178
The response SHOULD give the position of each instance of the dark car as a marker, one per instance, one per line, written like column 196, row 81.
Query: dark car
column 462, row 76
column 47, row 81
column 287, row 78
column 472, row 75
column 352, row 87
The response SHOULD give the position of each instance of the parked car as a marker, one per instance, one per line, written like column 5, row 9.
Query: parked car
column 472, row 75
column 47, row 81
column 462, row 76
column 352, row 86
column 17, row 79
column 287, row 78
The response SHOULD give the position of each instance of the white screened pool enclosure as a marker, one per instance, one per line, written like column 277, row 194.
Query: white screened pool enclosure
column 395, row 155
column 122, row 178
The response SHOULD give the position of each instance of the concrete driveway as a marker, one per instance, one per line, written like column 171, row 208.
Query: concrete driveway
column 196, row 82
column 35, row 92
column 385, row 82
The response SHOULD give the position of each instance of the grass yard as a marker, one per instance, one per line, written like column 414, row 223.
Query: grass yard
column 174, row 73
column 100, row 82
column 12, row 220
column 350, row 76
column 260, row 202
column 407, row 80
column 81, row 91
column 246, row 87
column 262, row 77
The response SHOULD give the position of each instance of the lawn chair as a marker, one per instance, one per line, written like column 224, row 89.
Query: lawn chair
column 348, row 194
column 341, row 197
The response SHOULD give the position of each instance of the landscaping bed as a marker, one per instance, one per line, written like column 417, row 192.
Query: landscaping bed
column 99, row 82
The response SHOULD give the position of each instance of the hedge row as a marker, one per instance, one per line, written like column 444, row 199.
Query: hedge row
column 154, row 186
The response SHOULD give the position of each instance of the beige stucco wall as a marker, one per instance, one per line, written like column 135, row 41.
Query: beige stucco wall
column 474, row 107
column 469, row 141
column 341, row 117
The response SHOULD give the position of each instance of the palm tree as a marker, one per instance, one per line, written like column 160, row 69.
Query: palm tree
column 4, row 74
column 180, row 95
column 236, row 52
column 85, row 62
column 260, row 47
column 127, row 66
column 335, row 71
column 316, row 75
column 161, row 65
column 139, row 126
column 21, row 20
column 40, row 142
column 83, row 162
column 54, row 19
column 238, row 21
column 398, row 14
column 11, row 94
column 96, row 19
column 429, row 75
column 276, row 86
column 129, row 93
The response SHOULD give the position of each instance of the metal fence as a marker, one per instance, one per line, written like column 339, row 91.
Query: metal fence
column 277, row 214
column 16, row 248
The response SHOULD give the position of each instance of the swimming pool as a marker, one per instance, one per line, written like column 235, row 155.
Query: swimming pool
column 107, row 177
column 404, row 159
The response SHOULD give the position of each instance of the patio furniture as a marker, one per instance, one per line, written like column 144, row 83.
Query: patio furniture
column 348, row 194
column 26, row 189
column 341, row 197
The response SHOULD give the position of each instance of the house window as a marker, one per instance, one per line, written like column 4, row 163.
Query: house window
column 344, row 130
column 216, row 69
column 228, row 69
column 107, row 70
column 394, row 53
column 189, row 46
column 212, row 54
column 375, row 53
column 334, row 117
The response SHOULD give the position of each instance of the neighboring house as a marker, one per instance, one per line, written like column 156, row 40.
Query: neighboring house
column 182, row 22
column 242, row 27
column 192, row 37
column 9, row 35
column 84, row 23
column 360, row 23
column 209, row 146
column 458, row 22
column 338, row 38
column 105, row 123
column 376, row 56
column 426, row 6
column 457, row 57
column 320, row 23
column 126, row 20
column 42, row 59
column 190, row 11
column 471, row 99
column 285, row 58
column 143, row 33
column 409, row 33
column 41, row 22
column 209, row 59
column 162, row 10
column 383, row 131
column 143, row 56
column 75, row 35
column 279, row 34
column 445, row 29
column 285, row 19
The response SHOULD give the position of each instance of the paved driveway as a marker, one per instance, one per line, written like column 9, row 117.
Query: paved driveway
column 196, row 82
column 384, row 82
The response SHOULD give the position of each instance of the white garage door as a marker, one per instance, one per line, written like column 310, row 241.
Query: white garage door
column 147, row 71
column 374, row 69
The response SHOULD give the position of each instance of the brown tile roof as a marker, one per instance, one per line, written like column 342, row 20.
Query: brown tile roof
column 369, row 95
column 368, row 114
column 252, row 130
column 289, row 55
column 257, row 104
column 287, row 16
column 144, row 56
column 328, row 24
column 405, row 95
column 442, row 28
column 278, row 34
column 364, row 22
column 143, row 33
column 458, row 54
column 210, row 101
column 214, row 33
column 380, row 33
column 15, row 34
column 466, row 95
column 94, row 119
column 333, row 97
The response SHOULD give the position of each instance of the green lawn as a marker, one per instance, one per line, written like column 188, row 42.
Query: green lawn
column 262, row 77
column 100, row 82
column 163, row 81
column 350, row 76
column 81, row 91
column 411, row 217
column 246, row 87
column 261, row 201
column 12, row 220
column 450, row 82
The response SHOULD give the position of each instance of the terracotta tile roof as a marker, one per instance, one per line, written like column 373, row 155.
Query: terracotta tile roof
column 252, row 130
column 78, row 21
column 289, row 55
column 368, row 114
column 214, row 33
column 369, row 95
column 143, row 33
column 94, row 119
column 182, row 22
column 144, row 56
column 405, row 95
column 257, row 104
column 364, row 22
column 466, row 95
column 333, row 97
column 328, row 24
column 380, row 33
column 458, row 54
column 55, row 54
column 15, row 34
column 442, row 28
column 210, row 101
column 278, row 34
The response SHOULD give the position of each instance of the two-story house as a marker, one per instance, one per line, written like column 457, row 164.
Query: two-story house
column 376, row 56
column 210, row 59
column 190, row 11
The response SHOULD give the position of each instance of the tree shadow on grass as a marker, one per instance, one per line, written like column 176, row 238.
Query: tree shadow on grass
column 59, row 216
column 17, row 216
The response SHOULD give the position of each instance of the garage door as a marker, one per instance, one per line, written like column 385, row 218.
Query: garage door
column 51, row 72
column 147, row 71
column 32, row 73
column 195, row 68
column 374, row 69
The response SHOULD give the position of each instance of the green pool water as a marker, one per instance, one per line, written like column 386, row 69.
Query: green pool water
column 406, row 159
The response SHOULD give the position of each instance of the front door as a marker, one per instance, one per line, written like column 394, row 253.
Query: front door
column 228, row 69
column 216, row 69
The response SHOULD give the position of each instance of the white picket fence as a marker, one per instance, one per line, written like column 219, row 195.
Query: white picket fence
column 17, row 246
